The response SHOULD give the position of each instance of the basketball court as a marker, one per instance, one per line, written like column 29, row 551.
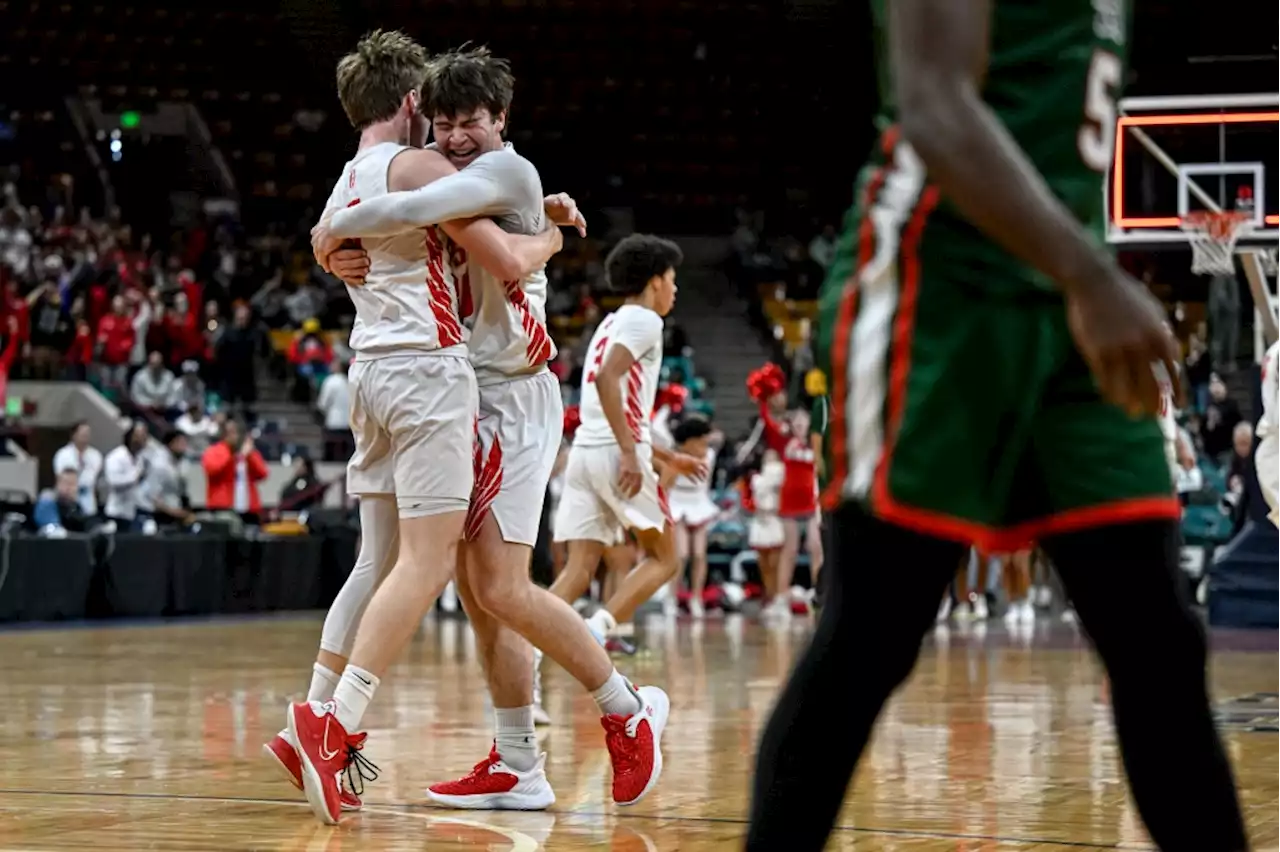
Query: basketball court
column 148, row 737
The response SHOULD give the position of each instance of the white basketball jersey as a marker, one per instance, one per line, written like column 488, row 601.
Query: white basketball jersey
column 409, row 301
column 640, row 331
column 1268, row 422
column 507, row 319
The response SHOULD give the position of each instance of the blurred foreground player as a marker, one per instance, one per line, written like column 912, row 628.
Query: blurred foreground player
column 993, row 383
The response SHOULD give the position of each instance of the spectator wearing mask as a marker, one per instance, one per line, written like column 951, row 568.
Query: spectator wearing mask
column 116, row 336
column 201, row 429
column 79, row 456
column 334, row 404
column 238, row 348
column 153, row 387
column 58, row 508
column 165, row 486
column 124, row 469
column 233, row 468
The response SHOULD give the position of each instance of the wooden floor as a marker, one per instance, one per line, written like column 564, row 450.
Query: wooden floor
column 132, row 738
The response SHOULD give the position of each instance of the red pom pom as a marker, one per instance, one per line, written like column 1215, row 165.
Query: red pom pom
column 765, row 382
column 572, row 420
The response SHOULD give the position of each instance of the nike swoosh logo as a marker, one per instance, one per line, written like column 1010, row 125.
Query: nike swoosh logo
column 325, row 754
column 360, row 678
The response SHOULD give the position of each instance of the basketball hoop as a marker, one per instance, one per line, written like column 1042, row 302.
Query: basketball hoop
column 1213, row 236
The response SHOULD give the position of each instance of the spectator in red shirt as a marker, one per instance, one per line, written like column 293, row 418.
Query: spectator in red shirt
column 81, row 353
column 116, row 336
column 183, row 331
column 233, row 468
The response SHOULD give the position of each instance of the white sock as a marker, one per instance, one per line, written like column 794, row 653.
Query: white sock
column 324, row 681
column 617, row 697
column 352, row 696
column 514, row 737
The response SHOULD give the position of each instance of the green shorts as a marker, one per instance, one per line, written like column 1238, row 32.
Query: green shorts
column 971, row 416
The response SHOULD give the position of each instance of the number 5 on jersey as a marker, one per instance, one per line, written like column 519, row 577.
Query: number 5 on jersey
column 1096, row 138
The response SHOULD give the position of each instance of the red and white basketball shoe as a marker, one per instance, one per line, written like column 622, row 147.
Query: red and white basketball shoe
column 282, row 753
column 325, row 750
column 494, row 786
column 635, row 745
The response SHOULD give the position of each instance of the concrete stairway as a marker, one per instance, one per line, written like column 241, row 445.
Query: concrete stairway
column 726, row 347
column 297, row 422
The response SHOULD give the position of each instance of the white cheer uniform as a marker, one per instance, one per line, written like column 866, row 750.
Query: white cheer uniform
column 521, row 413
column 1267, row 459
column 690, row 499
column 591, row 507
column 765, row 531
column 413, row 392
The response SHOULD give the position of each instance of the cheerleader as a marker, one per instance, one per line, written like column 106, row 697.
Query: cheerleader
column 765, row 534
column 799, row 503
column 691, row 505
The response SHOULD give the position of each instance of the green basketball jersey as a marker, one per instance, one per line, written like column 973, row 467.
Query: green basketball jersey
column 1054, row 74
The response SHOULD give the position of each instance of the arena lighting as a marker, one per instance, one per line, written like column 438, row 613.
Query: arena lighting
column 1117, row 176
column 130, row 120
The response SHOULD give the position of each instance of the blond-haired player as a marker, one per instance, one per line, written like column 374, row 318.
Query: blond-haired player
column 413, row 414
column 468, row 95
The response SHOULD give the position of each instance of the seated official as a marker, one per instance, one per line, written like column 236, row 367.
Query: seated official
column 59, row 507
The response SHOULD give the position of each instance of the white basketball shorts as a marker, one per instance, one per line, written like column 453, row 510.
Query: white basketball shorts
column 414, row 420
column 1267, row 460
column 517, row 441
column 591, row 507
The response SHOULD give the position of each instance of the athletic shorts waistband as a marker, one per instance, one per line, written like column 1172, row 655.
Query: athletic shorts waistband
column 459, row 351
column 485, row 379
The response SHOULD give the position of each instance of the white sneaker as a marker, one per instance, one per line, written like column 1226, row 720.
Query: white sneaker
column 695, row 608
column 1068, row 616
column 979, row 605
column 494, row 786
column 600, row 623
column 540, row 715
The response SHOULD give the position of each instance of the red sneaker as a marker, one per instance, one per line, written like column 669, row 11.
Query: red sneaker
column 494, row 786
column 635, row 745
column 325, row 750
column 282, row 753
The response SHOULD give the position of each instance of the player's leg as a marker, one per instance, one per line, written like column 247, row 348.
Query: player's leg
column 512, row 777
column 803, row 768
column 618, row 562
column 427, row 406
column 499, row 549
column 657, row 567
column 1113, row 538
column 697, row 567
column 379, row 546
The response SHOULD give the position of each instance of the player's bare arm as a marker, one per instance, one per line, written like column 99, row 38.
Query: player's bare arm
column 507, row 256
column 682, row 464
column 939, row 53
column 609, row 386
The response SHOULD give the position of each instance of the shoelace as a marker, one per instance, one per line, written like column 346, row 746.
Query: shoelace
column 625, row 756
column 359, row 769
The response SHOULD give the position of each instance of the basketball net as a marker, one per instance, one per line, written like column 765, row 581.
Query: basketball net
column 1213, row 236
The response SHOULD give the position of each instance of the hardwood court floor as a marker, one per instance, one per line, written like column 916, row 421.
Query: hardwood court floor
column 130, row 738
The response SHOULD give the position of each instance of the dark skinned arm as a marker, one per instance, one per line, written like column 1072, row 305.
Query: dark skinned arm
column 939, row 52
